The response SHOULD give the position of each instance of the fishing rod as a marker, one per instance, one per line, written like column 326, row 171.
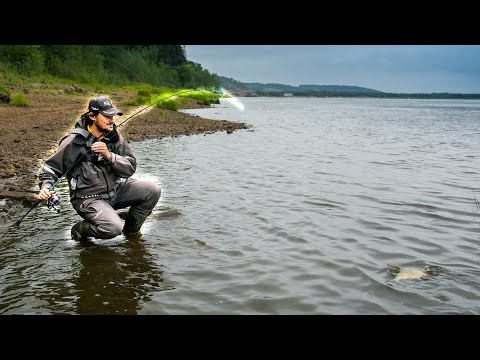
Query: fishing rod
column 54, row 200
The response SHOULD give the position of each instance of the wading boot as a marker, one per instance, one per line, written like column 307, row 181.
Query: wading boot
column 80, row 231
column 133, row 223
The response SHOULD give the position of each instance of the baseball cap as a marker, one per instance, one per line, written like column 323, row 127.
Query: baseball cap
column 104, row 105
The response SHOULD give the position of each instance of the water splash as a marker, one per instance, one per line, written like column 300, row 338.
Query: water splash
column 233, row 100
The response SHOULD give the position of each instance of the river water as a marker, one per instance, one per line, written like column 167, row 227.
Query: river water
column 300, row 214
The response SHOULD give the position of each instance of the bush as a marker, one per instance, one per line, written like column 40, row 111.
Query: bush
column 19, row 100
column 209, row 101
column 139, row 100
column 168, row 104
column 144, row 93
column 4, row 90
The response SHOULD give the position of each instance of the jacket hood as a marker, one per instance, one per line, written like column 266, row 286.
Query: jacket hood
column 81, row 123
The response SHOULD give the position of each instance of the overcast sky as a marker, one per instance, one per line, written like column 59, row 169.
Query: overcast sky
column 392, row 68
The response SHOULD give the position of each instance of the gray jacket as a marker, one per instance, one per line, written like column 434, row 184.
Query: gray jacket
column 89, row 177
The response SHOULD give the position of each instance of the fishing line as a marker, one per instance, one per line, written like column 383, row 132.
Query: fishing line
column 56, row 201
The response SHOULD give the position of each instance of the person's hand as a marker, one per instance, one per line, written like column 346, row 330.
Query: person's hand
column 101, row 148
column 45, row 193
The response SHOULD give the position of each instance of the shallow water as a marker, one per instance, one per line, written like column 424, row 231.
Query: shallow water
column 301, row 214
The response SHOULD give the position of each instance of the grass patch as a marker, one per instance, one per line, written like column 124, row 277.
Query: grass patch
column 169, row 104
column 139, row 100
column 158, row 101
column 4, row 90
column 171, row 99
column 145, row 89
column 19, row 100
column 204, row 97
column 144, row 93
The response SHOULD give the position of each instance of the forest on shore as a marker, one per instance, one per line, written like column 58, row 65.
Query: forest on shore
column 102, row 65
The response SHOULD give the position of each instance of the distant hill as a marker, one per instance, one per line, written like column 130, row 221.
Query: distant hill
column 259, row 87
column 339, row 88
column 238, row 88
column 270, row 87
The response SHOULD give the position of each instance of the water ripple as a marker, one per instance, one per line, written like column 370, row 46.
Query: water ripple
column 301, row 216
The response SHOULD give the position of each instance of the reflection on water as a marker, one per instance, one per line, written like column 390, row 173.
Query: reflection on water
column 106, row 280
column 110, row 280
column 51, row 274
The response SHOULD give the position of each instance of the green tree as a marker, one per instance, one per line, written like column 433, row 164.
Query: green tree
column 26, row 59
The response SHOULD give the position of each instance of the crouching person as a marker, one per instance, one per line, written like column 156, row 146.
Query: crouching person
column 99, row 163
